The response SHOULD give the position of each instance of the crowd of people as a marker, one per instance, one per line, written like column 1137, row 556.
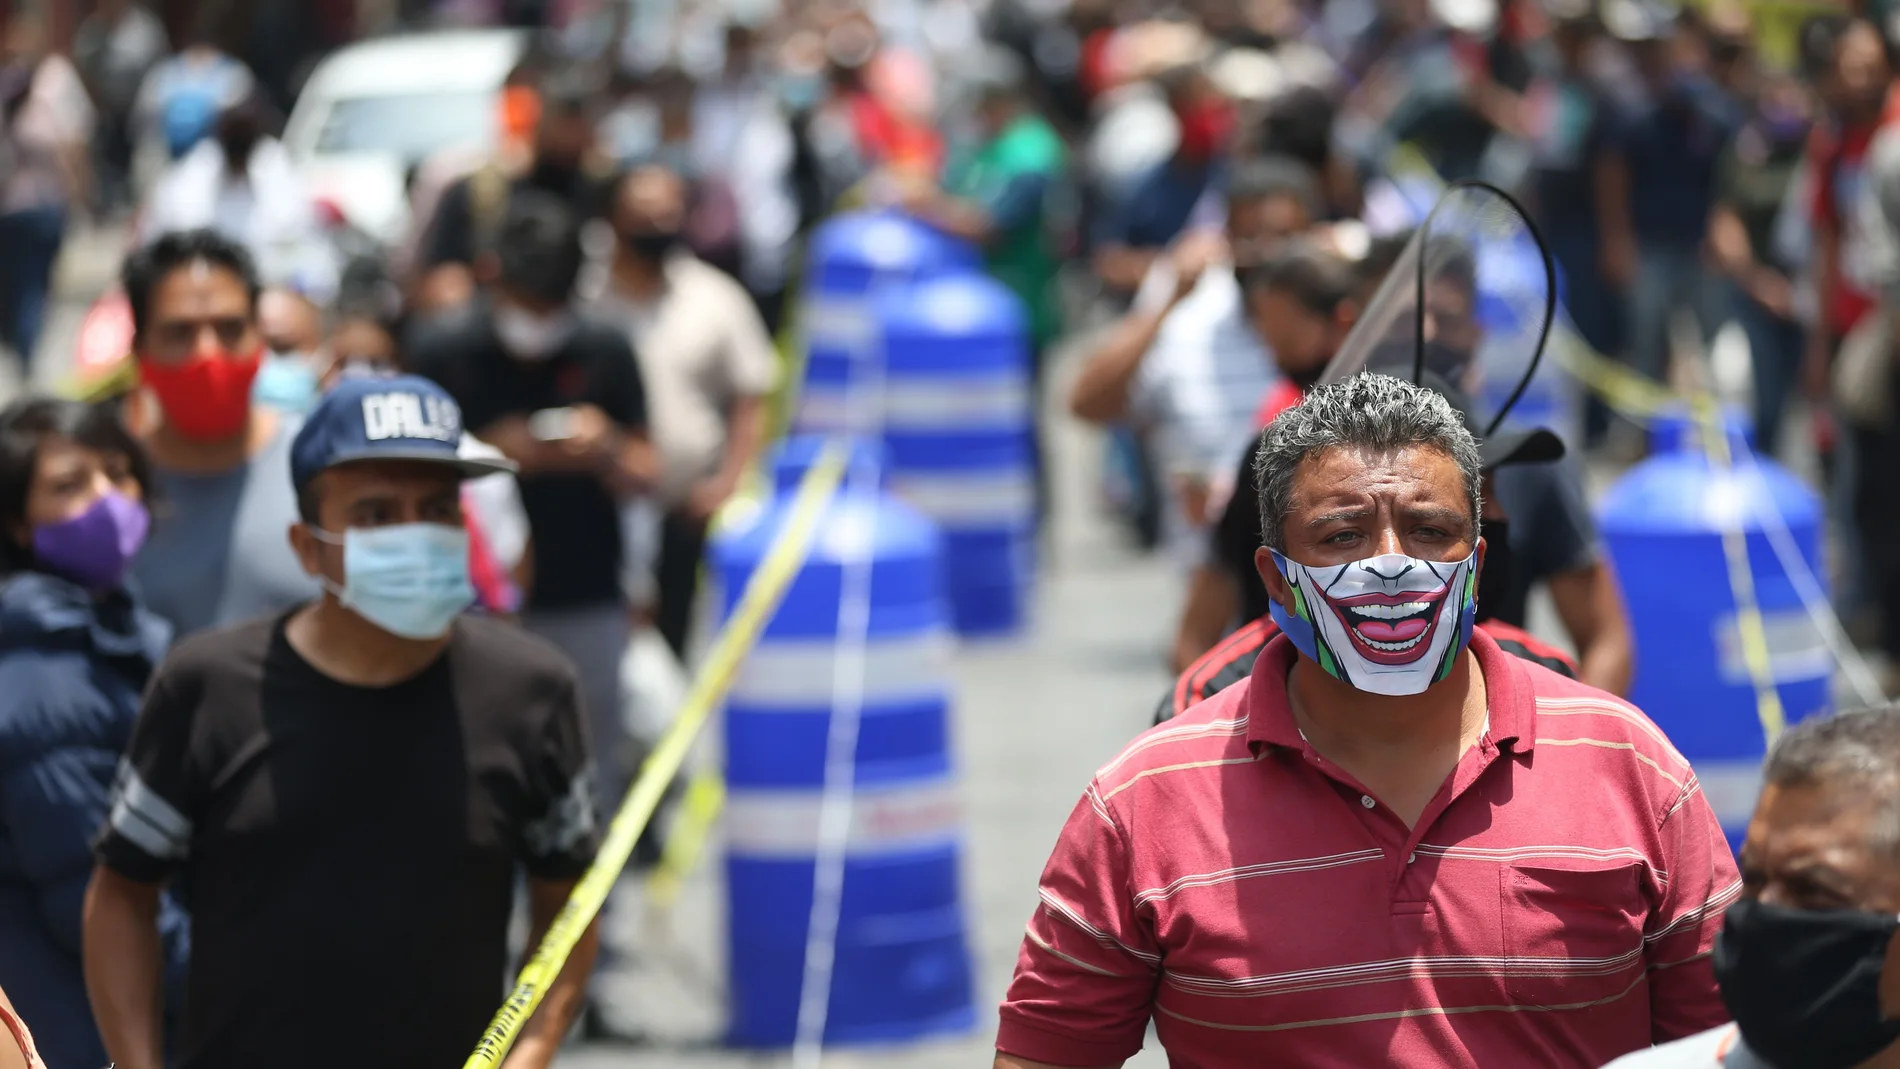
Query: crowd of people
column 434, row 486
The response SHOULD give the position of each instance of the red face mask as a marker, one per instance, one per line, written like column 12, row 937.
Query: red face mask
column 206, row 398
column 1204, row 129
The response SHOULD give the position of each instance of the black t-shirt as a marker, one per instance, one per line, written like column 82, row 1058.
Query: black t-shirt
column 348, row 853
column 575, row 521
column 471, row 210
column 1550, row 532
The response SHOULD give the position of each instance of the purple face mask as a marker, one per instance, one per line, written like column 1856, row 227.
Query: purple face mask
column 94, row 548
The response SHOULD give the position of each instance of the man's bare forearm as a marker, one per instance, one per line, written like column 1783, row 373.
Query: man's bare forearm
column 1101, row 390
column 124, row 964
column 541, row 1037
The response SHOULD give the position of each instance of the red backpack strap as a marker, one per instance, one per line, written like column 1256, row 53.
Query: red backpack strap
column 1520, row 643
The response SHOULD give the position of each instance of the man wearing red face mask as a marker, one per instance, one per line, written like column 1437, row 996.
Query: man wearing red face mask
column 217, row 555
column 1128, row 237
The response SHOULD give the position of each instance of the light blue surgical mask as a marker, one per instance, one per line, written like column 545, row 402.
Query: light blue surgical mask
column 410, row 579
column 287, row 382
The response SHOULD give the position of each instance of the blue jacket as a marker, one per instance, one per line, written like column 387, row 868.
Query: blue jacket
column 71, row 672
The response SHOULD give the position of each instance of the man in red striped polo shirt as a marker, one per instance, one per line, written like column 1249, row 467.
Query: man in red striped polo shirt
column 1394, row 845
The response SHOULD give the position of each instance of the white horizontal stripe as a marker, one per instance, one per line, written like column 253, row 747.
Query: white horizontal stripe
column 1731, row 787
column 1372, row 972
column 1182, row 767
column 1517, row 855
column 1716, row 902
column 1074, row 916
column 1610, row 708
column 784, row 823
column 977, row 500
column 1030, row 931
column 1100, row 808
column 1400, row 1015
column 800, row 675
column 836, row 322
column 1176, row 733
column 1606, row 744
column 146, row 820
column 946, row 404
column 160, row 813
column 1271, row 868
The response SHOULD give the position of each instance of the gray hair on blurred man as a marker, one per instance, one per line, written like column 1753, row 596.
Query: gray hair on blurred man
column 1806, row 958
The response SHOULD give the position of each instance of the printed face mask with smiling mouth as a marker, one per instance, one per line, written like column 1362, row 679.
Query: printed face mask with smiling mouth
column 1390, row 624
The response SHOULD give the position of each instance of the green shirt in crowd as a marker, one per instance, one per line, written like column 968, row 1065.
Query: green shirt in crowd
column 1013, row 177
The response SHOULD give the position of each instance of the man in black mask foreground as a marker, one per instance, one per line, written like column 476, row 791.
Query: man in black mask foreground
column 1807, row 959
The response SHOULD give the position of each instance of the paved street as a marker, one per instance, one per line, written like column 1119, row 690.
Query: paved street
column 1034, row 721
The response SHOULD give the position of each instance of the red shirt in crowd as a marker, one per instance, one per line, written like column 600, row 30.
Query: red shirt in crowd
column 1554, row 907
column 1838, row 161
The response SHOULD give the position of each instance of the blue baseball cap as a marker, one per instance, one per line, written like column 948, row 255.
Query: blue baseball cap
column 396, row 417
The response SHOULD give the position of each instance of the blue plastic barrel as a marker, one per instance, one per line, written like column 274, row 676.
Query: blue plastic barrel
column 866, row 468
column 960, row 435
column 902, row 967
column 1663, row 523
column 853, row 259
column 1678, row 428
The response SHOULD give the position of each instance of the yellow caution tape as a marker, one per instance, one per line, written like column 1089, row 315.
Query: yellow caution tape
column 699, row 810
column 762, row 595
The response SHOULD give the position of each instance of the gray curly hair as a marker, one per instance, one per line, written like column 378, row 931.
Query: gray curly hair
column 1367, row 411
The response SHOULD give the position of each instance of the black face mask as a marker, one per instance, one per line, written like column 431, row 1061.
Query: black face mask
column 1494, row 582
column 1804, row 985
column 651, row 244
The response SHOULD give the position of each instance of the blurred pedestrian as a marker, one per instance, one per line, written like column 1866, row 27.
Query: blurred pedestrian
column 1185, row 362
column 46, row 125
column 464, row 234
column 292, row 326
column 562, row 396
column 216, row 553
column 1129, row 236
column 1752, row 183
column 1807, row 959
column 1001, row 197
column 350, row 787
column 1571, row 126
column 1414, row 769
column 76, row 651
column 1856, row 90
column 243, row 184
column 1657, row 188
column 708, row 367
column 115, row 48
column 181, row 98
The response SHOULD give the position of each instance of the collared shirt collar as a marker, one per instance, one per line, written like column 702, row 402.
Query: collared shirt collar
column 1512, row 704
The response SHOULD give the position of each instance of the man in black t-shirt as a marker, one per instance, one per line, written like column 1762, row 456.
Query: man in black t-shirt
column 344, row 793
column 468, row 220
column 562, row 397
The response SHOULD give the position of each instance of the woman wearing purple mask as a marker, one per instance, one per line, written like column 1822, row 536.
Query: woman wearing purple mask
column 76, row 650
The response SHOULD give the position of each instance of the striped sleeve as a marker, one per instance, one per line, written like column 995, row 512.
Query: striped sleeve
column 1703, row 880
column 148, row 828
column 1085, row 979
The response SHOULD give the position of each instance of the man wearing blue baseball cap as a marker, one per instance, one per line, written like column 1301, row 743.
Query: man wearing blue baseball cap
column 348, row 789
